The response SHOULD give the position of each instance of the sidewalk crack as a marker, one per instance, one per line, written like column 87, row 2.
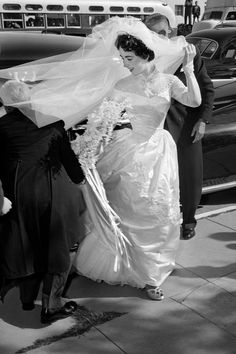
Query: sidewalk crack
column 219, row 223
column 110, row 340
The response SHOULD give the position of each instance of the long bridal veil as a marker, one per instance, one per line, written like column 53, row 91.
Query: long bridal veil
column 71, row 85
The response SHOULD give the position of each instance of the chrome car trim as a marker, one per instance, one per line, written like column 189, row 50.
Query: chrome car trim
column 218, row 187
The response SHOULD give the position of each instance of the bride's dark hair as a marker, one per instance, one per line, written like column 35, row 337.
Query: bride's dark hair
column 130, row 43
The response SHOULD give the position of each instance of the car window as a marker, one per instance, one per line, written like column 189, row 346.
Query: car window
column 207, row 47
column 231, row 16
column 212, row 15
column 229, row 52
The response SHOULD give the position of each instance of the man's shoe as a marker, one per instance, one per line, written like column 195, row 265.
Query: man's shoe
column 67, row 310
column 188, row 233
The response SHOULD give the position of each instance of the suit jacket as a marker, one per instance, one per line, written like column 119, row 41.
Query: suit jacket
column 37, row 167
column 181, row 119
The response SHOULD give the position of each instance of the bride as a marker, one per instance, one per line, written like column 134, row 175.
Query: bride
column 132, row 221
column 139, row 172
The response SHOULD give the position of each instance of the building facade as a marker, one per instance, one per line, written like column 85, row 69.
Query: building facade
column 178, row 8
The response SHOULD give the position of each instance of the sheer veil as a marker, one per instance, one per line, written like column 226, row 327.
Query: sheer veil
column 71, row 85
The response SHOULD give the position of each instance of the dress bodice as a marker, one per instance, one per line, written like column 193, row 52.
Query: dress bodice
column 150, row 98
column 146, row 113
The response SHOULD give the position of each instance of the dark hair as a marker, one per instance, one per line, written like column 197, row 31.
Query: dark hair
column 130, row 43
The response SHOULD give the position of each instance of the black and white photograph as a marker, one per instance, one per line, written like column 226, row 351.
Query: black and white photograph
column 118, row 176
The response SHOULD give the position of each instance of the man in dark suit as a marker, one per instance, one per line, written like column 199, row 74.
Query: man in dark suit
column 188, row 7
column 39, row 173
column 187, row 126
column 196, row 12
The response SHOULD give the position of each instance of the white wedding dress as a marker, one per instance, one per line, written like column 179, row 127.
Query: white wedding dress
column 139, row 171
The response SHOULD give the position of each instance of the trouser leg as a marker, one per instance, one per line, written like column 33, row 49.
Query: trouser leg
column 185, row 19
column 191, row 174
column 53, row 287
column 29, row 288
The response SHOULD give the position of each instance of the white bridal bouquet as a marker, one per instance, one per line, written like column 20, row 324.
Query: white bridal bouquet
column 98, row 133
column 88, row 147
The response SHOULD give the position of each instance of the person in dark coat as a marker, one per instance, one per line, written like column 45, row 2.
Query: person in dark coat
column 187, row 126
column 188, row 8
column 39, row 173
column 196, row 12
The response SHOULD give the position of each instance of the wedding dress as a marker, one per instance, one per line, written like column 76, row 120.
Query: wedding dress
column 139, row 171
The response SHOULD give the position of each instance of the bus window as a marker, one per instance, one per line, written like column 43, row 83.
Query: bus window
column 133, row 9
column 116, row 9
column 55, row 8
column 34, row 20
column 72, row 8
column 12, row 20
column 96, row 8
column 96, row 19
column 32, row 7
column 55, row 20
column 148, row 10
column 73, row 20
column 11, row 7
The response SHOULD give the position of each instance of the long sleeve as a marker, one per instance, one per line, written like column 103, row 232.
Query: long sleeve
column 189, row 95
column 207, row 89
column 69, row 161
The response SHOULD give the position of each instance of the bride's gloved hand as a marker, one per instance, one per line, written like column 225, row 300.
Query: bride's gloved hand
column 190, row 52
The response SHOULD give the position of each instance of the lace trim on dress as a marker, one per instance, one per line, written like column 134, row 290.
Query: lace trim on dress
column 155, row 84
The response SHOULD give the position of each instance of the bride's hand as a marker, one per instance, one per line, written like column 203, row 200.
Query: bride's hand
column 190, row 52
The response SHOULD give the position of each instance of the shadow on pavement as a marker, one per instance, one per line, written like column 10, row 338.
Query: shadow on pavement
column 224, row 236
column 11, row 312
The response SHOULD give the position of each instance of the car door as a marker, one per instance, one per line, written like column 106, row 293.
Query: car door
column 219, row 143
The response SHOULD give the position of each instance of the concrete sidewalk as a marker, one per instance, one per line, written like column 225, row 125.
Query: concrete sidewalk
column 198, row 315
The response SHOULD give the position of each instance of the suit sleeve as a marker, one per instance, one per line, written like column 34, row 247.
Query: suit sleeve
column 206, row 88
column 70, row 161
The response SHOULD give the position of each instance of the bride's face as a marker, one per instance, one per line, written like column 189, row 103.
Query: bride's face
column 134, row 63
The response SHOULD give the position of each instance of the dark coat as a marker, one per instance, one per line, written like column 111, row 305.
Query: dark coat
column 181, row 119
column 37, row 167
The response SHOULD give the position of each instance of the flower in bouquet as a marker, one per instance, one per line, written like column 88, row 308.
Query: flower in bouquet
column 99, row 130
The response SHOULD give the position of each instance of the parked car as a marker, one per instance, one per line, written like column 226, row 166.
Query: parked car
column 217, row 47
column 20, row 47
column 217, row 12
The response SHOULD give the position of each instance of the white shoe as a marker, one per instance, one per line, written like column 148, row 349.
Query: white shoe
column 155, row 293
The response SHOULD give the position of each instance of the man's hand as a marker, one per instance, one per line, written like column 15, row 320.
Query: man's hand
column 6, row 205
column 198, row 131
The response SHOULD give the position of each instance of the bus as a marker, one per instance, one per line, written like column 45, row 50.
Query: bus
column 73, row 17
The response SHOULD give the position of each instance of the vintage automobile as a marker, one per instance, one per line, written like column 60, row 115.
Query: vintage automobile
column 217, row 47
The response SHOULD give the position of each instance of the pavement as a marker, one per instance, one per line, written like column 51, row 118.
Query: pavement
column 197, row 316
